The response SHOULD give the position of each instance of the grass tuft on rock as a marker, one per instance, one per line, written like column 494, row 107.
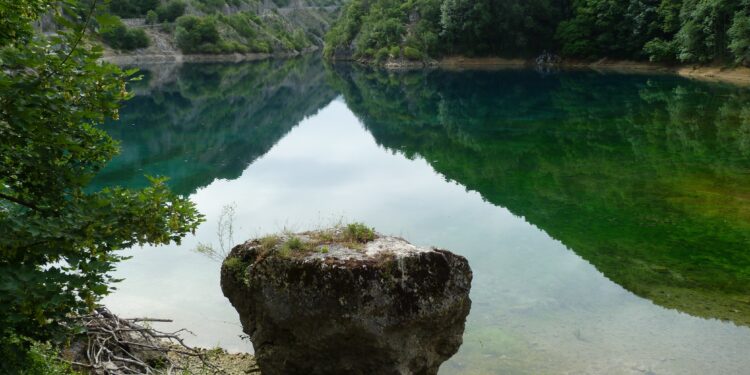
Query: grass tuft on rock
column 288, row 245
column 358, row 232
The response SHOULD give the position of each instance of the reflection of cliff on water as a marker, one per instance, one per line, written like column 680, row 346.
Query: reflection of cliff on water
column 197, row 123
column 648, row 178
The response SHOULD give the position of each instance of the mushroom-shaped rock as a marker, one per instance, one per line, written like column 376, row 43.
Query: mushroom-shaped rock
column 348, row 301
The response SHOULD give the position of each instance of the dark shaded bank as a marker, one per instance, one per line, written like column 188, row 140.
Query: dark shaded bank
column 646, row 177
column 214, row 118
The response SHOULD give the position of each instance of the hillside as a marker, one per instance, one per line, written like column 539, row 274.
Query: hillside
column 669, row 31
column 162, row 29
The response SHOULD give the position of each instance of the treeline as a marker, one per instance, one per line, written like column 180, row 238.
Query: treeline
column 217, row 26
column 686, row 31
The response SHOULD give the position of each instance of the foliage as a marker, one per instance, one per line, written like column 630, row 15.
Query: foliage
column 236, row 267
column 703, row 35
column 16, row 18
column 739, row 35
column 358, row 232
column 121, row 37
column 132, row 8
column 171, row 10
column 152, row 17
column 412, row 53
column 661, row 30
column 659, row 50
column 59, row 238
column 197, row 34
column 293, row 244
column 510, row 27
column 27, row 357
column 225, row 233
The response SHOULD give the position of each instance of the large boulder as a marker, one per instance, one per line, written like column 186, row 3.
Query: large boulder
column 348, row 301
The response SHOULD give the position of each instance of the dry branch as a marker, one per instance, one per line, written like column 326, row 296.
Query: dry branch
column 116, row 346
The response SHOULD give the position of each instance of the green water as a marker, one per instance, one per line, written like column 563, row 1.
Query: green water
column 606, row 216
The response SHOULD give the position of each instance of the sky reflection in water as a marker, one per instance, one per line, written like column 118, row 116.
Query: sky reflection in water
column 538, row 307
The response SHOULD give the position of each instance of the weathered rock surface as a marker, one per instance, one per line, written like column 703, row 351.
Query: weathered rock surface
column 381, row 307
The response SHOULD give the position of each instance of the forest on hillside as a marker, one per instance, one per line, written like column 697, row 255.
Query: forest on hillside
column 215, row 26
column 669, row 31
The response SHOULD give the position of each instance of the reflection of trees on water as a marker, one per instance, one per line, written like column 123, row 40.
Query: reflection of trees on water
column 646, row 177
column 204, row 122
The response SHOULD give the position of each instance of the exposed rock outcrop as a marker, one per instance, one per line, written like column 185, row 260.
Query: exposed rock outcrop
column 348, row 301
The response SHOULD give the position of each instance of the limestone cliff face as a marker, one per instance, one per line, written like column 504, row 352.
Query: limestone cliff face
column 383, row 307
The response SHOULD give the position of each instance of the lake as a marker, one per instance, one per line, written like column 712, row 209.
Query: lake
column 606, row 216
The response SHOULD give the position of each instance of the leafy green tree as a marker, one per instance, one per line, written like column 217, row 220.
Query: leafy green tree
column 613, row 28
column 703, row 34
column 59, row 239
column 170, row 11
column 511, row 27
column 739, row 35
column 152, row 17
column 121, row 37
column 197, row 34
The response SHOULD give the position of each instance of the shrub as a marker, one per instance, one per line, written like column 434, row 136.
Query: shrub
column 394, row 52
column 119, row 36
column 152, row 17
column 358, row 232
column 412, row 53
column 170, row 11
column 196, row 34
column 659, row 50
column 24, row 356
column 291, row 246
column 739, row 35
column 382, row 54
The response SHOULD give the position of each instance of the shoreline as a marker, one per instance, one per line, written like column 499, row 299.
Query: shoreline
column 738, row 75
column 711, row 73
column 179, row 58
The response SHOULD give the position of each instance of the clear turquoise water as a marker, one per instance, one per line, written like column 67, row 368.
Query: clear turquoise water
column 606, row 216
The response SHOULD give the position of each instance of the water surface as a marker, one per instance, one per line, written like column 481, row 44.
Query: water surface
column 606, row 216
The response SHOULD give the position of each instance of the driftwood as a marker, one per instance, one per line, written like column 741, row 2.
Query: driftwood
column 116, row 346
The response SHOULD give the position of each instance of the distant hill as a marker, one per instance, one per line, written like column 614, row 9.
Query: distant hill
column 214, row 27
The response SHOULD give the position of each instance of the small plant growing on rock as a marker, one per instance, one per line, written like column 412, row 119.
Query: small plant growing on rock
column 269, row 243
column 358, row 232
column 236, row 267
column 291, row 246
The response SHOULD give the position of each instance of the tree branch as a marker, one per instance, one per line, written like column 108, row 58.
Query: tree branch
column 75, row 44
column 20, row 202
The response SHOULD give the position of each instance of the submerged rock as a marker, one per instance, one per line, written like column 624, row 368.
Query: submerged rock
column 348, row 301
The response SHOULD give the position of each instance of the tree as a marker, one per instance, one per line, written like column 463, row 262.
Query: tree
column 171, row 10
column 704, row 35
column 59, row 239
column 739, row 35
column 511, row 27
column 197, row 34
column 152, row 17
column 121, row 37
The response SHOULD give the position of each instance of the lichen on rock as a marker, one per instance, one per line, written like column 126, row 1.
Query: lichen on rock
column 331, row 302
